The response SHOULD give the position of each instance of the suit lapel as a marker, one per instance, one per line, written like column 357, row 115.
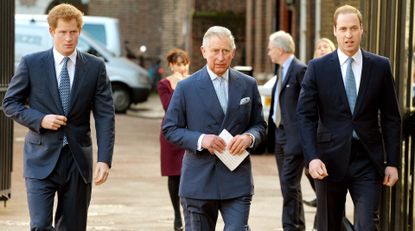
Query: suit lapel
column 208, row 95
column 364, row 81
column 337, row 84
column 288, row 75
column 79, row 78
column 234, row 95
column 48, row 63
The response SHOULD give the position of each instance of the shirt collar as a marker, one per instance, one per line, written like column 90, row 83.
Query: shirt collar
column 59, row 57
column 213, row 75
column 357, row 57
column 287, row 62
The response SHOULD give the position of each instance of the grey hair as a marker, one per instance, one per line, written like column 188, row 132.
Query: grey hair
column 219, row 32
column 283, row 40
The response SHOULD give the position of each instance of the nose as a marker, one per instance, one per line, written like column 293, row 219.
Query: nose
column 348, row 34
column 221, row 56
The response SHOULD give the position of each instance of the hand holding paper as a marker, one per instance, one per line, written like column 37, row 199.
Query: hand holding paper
column 231, row 161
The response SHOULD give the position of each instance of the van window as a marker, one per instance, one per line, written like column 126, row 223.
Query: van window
column 98, row 31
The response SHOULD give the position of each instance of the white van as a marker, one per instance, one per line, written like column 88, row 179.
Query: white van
column 103, row 29
column 130, row 82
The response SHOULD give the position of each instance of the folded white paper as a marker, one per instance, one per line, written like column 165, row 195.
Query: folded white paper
column 231, row 161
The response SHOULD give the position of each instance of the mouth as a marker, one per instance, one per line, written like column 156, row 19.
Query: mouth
column 349, row 43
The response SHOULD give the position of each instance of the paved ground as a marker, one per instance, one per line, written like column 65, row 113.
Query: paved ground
column 135, row 198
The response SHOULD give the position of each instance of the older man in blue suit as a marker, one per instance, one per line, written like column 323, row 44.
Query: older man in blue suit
column 212, row 99
column 53, row 94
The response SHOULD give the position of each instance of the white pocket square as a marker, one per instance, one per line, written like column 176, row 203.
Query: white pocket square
column 244, row 100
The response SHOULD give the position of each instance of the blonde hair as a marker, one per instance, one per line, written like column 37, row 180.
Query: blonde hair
column 66, row 12
column 324, row 40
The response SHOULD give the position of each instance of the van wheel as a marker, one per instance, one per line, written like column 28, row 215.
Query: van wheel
column 121, row 97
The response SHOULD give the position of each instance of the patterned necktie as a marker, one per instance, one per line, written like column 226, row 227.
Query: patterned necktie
column 350, row 85
column 277, row 108
column 221, row 93
column 65, row 90
column 351, row 91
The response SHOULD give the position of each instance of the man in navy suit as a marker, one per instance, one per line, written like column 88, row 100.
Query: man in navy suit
column 215, row 98
column 53, row 94
column 350, row 126
column 282, row 127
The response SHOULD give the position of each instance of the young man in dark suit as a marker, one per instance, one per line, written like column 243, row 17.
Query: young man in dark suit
column 282, row 127
column 53, row 94
column 350, row 126
column 212, row 99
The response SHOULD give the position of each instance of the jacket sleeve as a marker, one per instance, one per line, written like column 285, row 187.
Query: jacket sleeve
column 307, row 114
column 14, row 102
column 104, row 114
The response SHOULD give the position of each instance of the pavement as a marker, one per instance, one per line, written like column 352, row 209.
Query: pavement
column 135, row 197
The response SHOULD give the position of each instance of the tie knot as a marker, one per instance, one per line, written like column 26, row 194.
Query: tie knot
column 65, row 61
column 220, row 79
column 350, row 60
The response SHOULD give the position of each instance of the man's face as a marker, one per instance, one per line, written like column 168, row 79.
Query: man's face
column 348, row 32
column 218, row 54
column 274, row 53
column 65, row 36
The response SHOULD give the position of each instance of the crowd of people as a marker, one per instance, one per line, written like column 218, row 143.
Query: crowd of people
column 335, row 118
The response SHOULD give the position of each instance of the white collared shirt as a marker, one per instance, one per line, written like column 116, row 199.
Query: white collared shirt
column 58, row 58
column 225, row 77
column 357, row 65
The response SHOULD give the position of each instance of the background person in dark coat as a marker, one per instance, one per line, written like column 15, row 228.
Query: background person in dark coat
column 350, row 93
column 282, row 127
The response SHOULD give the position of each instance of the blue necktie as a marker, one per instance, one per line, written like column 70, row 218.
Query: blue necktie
column 221, row 93
column 351, row 91
column 350, row 85
column 65, row 90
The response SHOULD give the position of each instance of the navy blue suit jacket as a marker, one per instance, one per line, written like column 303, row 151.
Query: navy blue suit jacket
column 195, row 110
column 33, row 93
column 288, row 98
column 326, row 122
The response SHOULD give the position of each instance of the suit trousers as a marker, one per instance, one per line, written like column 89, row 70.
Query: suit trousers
column 364, row 184
column 73, row 196
column 290, row 169
column 201, row 215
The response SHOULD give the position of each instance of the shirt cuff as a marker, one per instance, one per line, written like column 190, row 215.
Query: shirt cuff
column 199, row 142
column 253, row 139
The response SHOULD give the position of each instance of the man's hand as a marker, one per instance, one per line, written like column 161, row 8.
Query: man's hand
column 391, row 176
column 53, row 122
column 317, row 169
column 213, row 143
column 240, row 143
column 102, row 171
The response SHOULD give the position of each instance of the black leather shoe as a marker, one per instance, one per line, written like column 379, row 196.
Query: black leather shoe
column 312, row 203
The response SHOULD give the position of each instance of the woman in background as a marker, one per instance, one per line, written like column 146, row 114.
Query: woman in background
column 171, row 155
